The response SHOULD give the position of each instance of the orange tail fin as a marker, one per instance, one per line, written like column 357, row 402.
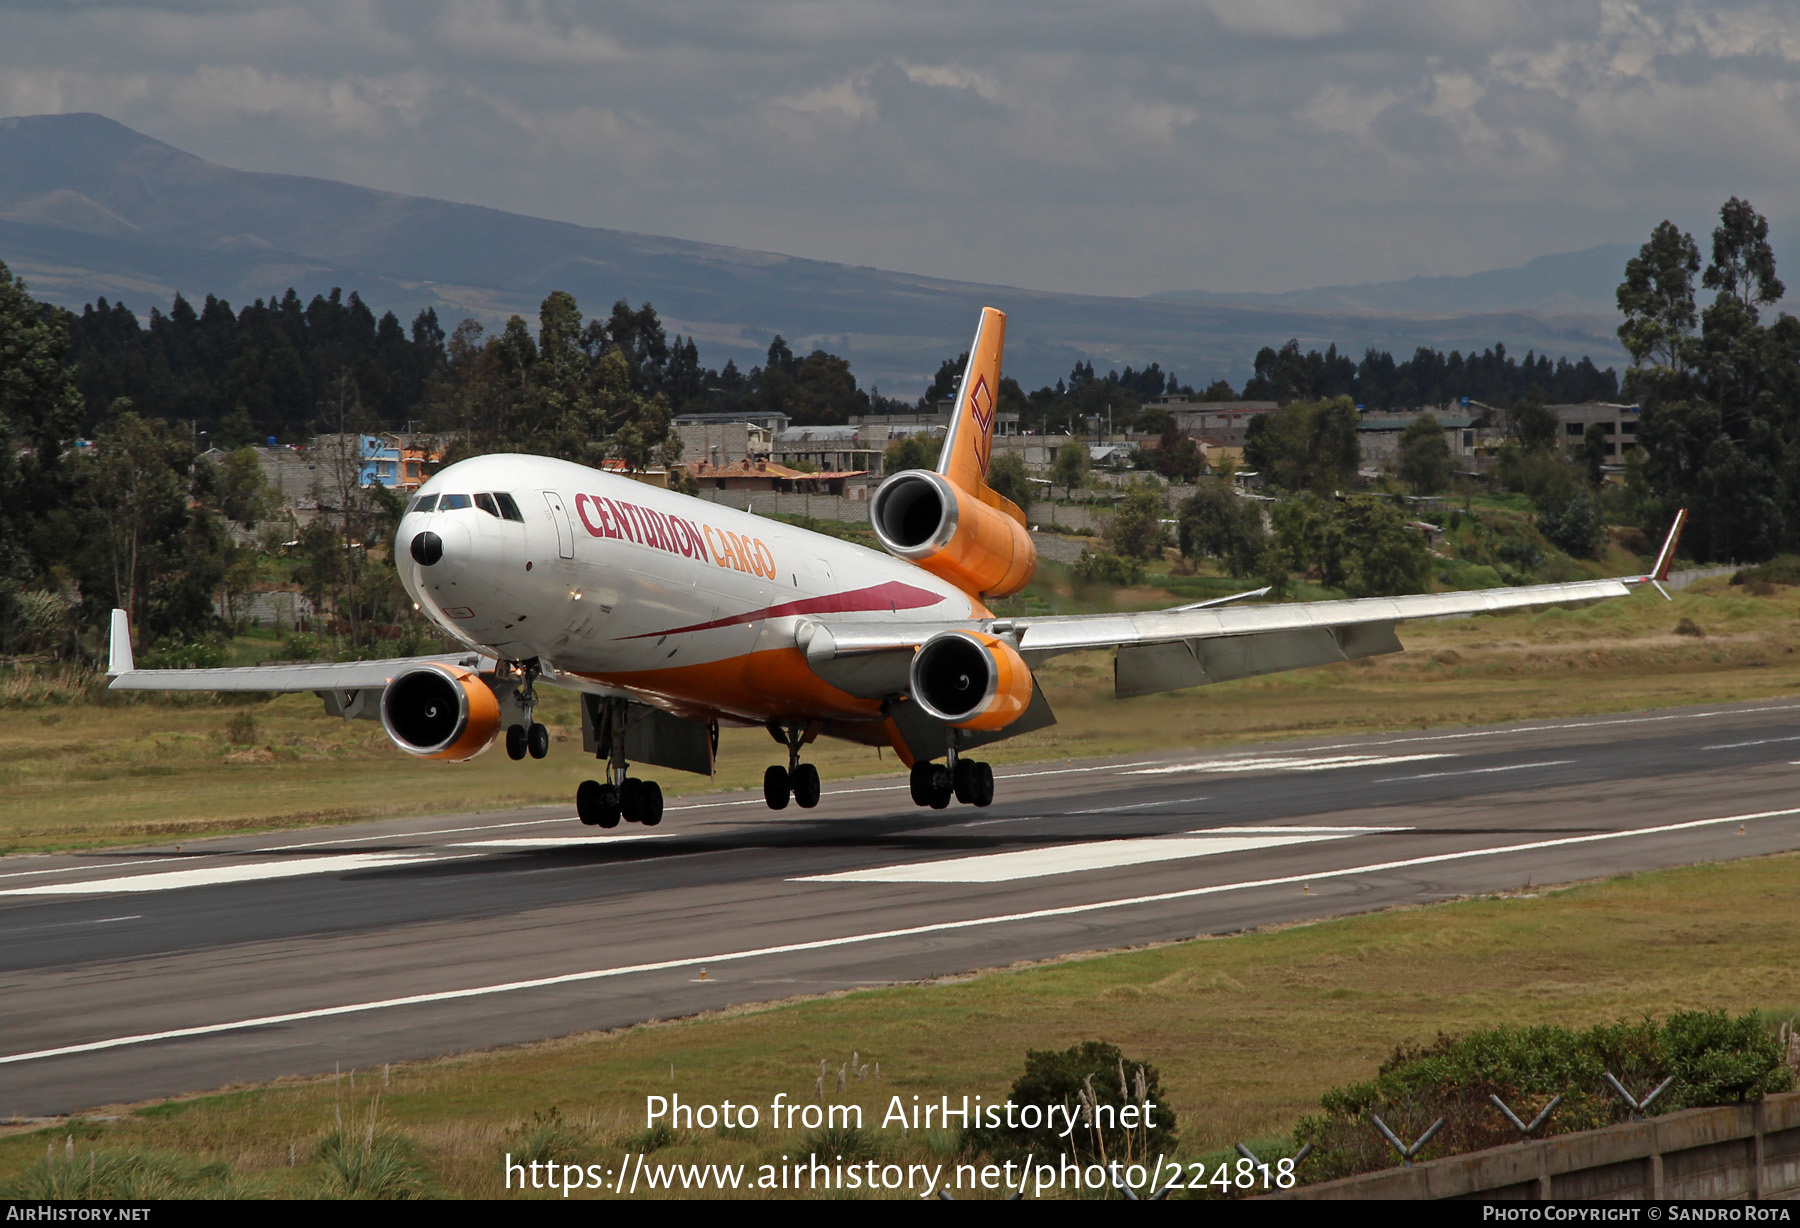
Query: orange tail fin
column 969, row 445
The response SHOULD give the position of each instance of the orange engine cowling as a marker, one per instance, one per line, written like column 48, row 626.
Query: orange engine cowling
column 440, row 712
column 927, row 519
column 971, row 680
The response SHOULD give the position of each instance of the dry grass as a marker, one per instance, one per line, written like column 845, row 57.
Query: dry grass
column 1247, row 1032
column 104, row 773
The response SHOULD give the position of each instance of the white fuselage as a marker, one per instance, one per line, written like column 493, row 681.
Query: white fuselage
column 624, row 584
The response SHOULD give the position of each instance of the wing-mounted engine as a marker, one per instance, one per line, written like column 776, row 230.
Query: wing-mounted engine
column 440, row 712
column 971, row 680
column 977, row 541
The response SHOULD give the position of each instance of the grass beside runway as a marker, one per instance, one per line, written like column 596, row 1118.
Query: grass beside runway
column 151, row 768
column 1247, row 1031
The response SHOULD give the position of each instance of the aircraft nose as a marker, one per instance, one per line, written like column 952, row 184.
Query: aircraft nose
column 427, row 548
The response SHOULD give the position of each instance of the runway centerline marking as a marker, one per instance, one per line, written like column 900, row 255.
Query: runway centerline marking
column 1510, row 767
column 821, row 944
column 1326, row 764
column 1091, row 855
column 1757, row 742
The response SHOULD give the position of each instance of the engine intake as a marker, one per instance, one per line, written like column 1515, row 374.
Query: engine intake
column 971, row 680
column 927, row 519
column 440, row 712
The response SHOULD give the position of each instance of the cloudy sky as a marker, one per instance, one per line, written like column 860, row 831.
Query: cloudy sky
column 1130, row 147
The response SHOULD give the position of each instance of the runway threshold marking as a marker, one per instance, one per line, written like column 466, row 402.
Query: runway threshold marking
column 821, row 944
column 1091, row 855
column 210, row 876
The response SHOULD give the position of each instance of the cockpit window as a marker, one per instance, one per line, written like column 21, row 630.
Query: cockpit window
column 424, row 503
column 508, row 509
column 452, row 503
column 486, row 503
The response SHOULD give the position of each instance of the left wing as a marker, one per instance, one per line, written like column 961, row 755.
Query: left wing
column 326, row 677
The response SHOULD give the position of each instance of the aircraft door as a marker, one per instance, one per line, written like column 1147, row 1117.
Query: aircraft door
column 559, row 515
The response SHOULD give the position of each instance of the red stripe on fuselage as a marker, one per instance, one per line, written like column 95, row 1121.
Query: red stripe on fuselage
column 894, row 595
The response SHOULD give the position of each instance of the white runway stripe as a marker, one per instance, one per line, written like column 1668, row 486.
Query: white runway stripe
column 1091, row 855
column 822, row 944
column 1284, row 765
column 567, row 842
column 1509, row 767
column 212, row 876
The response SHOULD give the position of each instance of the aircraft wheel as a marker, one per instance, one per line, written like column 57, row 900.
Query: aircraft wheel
column 962, row 781
column 537, row 741
column 942, row 788
column 515, row 741
column 806, row 786
column 775, row 787
column 650, row 803
column 631, row 800
column 921, row 783
column 596, row 805
column 984, row 785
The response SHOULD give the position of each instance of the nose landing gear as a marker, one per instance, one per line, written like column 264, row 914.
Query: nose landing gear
column 529, row 738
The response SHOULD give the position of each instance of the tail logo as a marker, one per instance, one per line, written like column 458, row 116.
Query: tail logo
column 981, row 409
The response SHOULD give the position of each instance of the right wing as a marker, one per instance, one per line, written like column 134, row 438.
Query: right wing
column 1166, row 650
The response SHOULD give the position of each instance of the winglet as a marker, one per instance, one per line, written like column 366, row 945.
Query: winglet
column 118, row 657
column 1666, row 559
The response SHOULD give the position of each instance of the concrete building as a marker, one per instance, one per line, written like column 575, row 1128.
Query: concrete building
column 1220, row 422
column 1378, row 437
column 1619, row 423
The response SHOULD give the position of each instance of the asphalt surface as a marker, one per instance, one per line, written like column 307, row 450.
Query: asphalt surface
column 146, row 972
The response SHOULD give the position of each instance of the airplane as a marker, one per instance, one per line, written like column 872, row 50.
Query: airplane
column 672, row 616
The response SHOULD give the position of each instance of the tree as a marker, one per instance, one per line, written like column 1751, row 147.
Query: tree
column 1178, row 457
column 1743, row 263
column 1071, row 465
column 1531, row 423
column 1306, row 445
column 1382, row 555
column 1215, row 522
column 1008, row 478
column 1424, row 456
column 918, row 451
column 1136, row 529
column 1657, row 297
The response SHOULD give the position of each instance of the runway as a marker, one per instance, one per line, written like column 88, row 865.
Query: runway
column 135, row 973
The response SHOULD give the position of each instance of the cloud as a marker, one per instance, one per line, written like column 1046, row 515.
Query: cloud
column 1151, row 144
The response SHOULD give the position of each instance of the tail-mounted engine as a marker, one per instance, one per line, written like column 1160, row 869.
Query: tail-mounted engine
column 981, row 547
column 440, row 712
column 971, row 680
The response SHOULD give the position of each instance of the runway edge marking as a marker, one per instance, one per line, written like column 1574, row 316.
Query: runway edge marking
column 821, row 944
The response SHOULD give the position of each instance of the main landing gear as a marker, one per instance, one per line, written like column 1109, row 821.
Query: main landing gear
column 797, row 780
column 969, row 782
column 620, row 797
column 530, row 738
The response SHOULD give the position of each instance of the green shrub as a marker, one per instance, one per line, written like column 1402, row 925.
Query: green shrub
column 1715, row 1059
column 1101, row 568
column 1095, row 1074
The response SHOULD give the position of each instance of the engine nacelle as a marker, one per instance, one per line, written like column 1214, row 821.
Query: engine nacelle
column 971, row 680
column 927, row 519
column 440, row 712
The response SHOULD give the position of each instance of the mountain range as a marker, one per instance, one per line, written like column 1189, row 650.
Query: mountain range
column 90, row 207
